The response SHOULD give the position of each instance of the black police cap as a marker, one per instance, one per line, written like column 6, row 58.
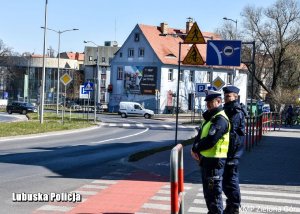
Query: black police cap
column 231, row 89
column 212, row 95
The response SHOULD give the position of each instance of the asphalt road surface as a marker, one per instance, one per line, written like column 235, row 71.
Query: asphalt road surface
column 62, row 162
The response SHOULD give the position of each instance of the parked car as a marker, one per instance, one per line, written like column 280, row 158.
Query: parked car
column 134, row 109
column 73, row 105
column 20, row 107
column 101, row 107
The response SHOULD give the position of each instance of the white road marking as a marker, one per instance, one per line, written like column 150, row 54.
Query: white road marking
column 119, row 138
column 156, row 206
column 104, row 182
column 55, row 208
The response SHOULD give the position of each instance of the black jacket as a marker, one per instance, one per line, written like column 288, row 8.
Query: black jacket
column 236, row 114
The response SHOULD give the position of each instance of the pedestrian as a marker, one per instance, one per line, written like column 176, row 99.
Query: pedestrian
column 236, row 114
column 210, row 150
column 289, row 116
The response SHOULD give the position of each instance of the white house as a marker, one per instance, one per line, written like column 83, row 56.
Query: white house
column 145, row 70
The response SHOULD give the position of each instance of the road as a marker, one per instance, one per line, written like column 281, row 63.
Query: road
column 62, row 162
column 4, row 117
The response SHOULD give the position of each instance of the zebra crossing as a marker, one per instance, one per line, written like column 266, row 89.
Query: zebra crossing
column 255, row 199
column 143, row 126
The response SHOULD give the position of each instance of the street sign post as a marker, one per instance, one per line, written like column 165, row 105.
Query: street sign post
column 223, row 52
column 200, row 89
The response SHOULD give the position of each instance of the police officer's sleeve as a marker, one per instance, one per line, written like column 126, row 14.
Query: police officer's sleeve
column 218, row 128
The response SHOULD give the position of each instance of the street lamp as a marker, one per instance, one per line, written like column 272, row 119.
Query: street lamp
column 59, row 33
column 98, row 91
column 235, row 21
column 42, row 96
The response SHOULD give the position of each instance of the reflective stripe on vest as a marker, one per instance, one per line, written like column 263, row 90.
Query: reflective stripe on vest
column 220, row 149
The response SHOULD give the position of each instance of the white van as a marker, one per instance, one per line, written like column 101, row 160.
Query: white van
column 134, row 109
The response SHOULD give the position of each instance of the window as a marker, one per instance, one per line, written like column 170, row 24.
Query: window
column 209, row 76
column 121, row 54
column 103, row 59
column 181, row 75
column 130, row 52
column 120, row 73
column 136, row 37
column 229, row 79
column 170, row 75
column 141, row 52
column 192, row 76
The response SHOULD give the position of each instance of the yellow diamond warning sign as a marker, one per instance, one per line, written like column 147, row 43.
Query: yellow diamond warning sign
column 194, row 36
column 66, row 79
column 193, row 57
column 218, row 83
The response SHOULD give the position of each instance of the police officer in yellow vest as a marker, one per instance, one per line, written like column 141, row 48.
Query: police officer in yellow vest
column 210, row 150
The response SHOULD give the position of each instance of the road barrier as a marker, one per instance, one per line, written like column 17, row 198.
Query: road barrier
column 259, row 125
column 177, row 180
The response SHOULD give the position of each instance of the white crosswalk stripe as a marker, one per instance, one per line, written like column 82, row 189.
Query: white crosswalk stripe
column 255, row 199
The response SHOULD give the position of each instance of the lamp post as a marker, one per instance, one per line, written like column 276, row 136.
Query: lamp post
column 98, row 90
column 42, row 96
column 59, row 33
column 235, row 21
column 235, row 37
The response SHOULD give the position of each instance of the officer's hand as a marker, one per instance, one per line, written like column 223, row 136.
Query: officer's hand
column 195, row 156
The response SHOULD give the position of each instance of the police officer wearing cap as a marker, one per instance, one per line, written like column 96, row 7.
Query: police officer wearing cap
column 210, row 150
column 236, row 114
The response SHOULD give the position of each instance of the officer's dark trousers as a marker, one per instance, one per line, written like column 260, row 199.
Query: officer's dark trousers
column 231, row 186
column 212, row 175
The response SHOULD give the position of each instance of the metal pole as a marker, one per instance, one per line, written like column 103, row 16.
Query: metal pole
column 44, row 69
column 177, row 95
column 57, row 87
column 95, row 95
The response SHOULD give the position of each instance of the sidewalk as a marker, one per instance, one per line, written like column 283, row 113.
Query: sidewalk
column 145, row 188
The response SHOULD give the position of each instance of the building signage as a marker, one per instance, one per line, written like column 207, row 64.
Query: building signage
column 140, row 79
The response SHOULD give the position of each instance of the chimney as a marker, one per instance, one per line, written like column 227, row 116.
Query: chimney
column 164, row 28
column 189, row 24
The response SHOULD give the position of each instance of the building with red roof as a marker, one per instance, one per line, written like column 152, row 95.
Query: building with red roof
column 145, row 70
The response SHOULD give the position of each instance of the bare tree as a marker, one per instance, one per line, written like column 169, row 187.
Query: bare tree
column 276, row 31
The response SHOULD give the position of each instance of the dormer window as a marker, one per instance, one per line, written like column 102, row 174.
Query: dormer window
column 136, row 37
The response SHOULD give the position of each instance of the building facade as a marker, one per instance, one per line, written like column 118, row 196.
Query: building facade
column 145, row 70
column 97, row 68
column 24, row 75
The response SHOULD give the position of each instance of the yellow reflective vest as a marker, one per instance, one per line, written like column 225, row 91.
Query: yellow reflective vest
column 220, row 149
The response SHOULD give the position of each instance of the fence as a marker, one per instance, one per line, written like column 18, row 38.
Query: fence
column 259, row 125
column 177, row 180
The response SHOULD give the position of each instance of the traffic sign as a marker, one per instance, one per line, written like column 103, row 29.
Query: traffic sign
column 193, row 57
column 200, row 89
column 88, row 86
column 83, row 93
column 194, row 36
column 66, row 79
column 211, row 88
column 218, row 83
column 223, row 52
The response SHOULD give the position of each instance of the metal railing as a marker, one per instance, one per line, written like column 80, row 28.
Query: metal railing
column 177, row 180
column 259, row 125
